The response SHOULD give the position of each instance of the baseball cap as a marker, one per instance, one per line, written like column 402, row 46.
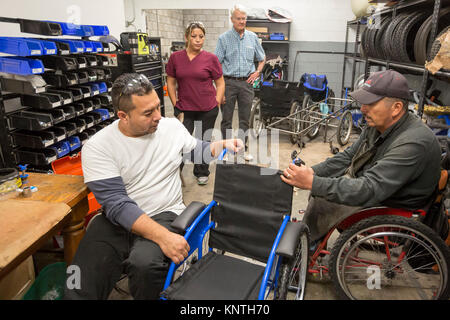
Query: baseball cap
column 388, row 83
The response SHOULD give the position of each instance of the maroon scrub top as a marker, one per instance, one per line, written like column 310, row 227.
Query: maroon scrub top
column 196, row 91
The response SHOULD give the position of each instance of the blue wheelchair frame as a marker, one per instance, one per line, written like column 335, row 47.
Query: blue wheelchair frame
column 196, row 232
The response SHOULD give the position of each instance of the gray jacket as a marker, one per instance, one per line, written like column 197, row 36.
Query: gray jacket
column 399, row 168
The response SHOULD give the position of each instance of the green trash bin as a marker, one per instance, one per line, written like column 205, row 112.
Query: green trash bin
column 49, row 284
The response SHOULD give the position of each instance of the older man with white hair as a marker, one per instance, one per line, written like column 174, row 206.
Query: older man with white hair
column 237, row 50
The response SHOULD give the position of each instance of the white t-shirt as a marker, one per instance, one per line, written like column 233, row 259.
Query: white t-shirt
column 148, row 165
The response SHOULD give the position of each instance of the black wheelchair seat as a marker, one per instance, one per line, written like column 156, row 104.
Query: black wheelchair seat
column 217, row 277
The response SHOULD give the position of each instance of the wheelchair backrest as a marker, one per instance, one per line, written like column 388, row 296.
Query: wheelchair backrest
column 251, row 204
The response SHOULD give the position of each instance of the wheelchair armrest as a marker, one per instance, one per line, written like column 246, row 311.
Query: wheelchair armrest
column 184, row 220
column 290, row 238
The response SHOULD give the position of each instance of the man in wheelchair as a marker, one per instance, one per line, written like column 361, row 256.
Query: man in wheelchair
column 394, row 163
column 132, row 167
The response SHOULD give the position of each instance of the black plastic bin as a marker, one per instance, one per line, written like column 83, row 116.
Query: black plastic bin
column 30, row 120
column 33, row 139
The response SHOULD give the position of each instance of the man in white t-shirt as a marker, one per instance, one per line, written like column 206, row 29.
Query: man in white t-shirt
column 132, row 167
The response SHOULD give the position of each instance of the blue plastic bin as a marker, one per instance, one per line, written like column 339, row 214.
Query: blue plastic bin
column 20, row 47
column 74, row 143
column 104, row 113
column 100, row 30
column 22, row 66
column 95, row 89
column 276, row 36
column 102, row 87
column 97, row 46
column 62, row 148
column 71, row 29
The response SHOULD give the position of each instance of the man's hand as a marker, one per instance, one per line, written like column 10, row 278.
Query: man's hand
column 298, row 176
column 174, row 246
column 252, row 78
column 234, row 145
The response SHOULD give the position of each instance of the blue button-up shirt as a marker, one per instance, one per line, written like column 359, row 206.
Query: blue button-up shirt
column 237, row 55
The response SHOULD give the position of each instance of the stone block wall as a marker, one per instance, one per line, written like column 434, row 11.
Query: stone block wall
column 170, row 24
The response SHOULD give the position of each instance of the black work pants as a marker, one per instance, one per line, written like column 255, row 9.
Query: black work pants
column 203, row 121
column 108, row 250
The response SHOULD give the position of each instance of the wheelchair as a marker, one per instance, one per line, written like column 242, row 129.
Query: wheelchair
column 255, row 250
column 385, row 253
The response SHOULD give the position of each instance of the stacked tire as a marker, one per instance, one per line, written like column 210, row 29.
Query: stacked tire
column 404, row 38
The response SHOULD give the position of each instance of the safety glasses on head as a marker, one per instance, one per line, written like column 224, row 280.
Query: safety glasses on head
column 134, row 84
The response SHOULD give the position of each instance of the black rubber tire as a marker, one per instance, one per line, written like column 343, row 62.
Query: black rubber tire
column 348, row 118
column 404, row 37
column 380, row 53
column 388, row 35
column 377, row 222
column 255, row 112
column 423, row 41
column 286, row 268
column 314, row 131
column 362, row 48
column 295, row 126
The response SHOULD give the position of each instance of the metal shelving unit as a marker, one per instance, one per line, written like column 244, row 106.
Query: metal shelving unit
column 49, row 114
column 275, row 47
column 355, row 57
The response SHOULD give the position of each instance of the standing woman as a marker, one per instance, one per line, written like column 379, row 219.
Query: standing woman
column 194, row 71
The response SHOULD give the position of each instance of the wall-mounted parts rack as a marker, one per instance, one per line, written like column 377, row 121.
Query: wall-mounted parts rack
column 54, row 92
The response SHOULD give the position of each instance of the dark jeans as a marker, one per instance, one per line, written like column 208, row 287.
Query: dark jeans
column 108, row 250
column 192, row 119
column 242, row 92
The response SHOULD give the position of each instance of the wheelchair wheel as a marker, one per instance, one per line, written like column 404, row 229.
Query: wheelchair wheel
column 388, row 258
column 296, row 123
column 256, row 122
column 344, row 128
column 293, row 272
column 311, row 116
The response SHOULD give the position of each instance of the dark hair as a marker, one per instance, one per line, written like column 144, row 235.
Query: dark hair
column 126, row 85
column 191, row 26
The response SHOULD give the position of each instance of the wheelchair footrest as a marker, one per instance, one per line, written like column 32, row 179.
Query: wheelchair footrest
column 217, row 277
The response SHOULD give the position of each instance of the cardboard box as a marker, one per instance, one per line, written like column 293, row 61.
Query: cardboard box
column 258, row 29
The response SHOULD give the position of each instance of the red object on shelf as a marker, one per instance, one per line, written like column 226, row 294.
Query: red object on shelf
column 72, row 165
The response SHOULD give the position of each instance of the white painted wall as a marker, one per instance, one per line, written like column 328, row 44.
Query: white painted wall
column 313, row 20
column 96, row 12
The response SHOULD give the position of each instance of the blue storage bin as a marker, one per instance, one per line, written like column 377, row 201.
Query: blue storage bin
column 22, row 66
column 71, row 29
column 21, row 47
column 74, row 143
column 49, row 47
column 62, row 148
column 100, row 30
column 97, row 46
column 104, row 113
column 102, row 87
column 276, row 36
column 88, row 46
column 95, row 89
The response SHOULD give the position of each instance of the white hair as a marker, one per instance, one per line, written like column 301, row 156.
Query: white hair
column 238, row 7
